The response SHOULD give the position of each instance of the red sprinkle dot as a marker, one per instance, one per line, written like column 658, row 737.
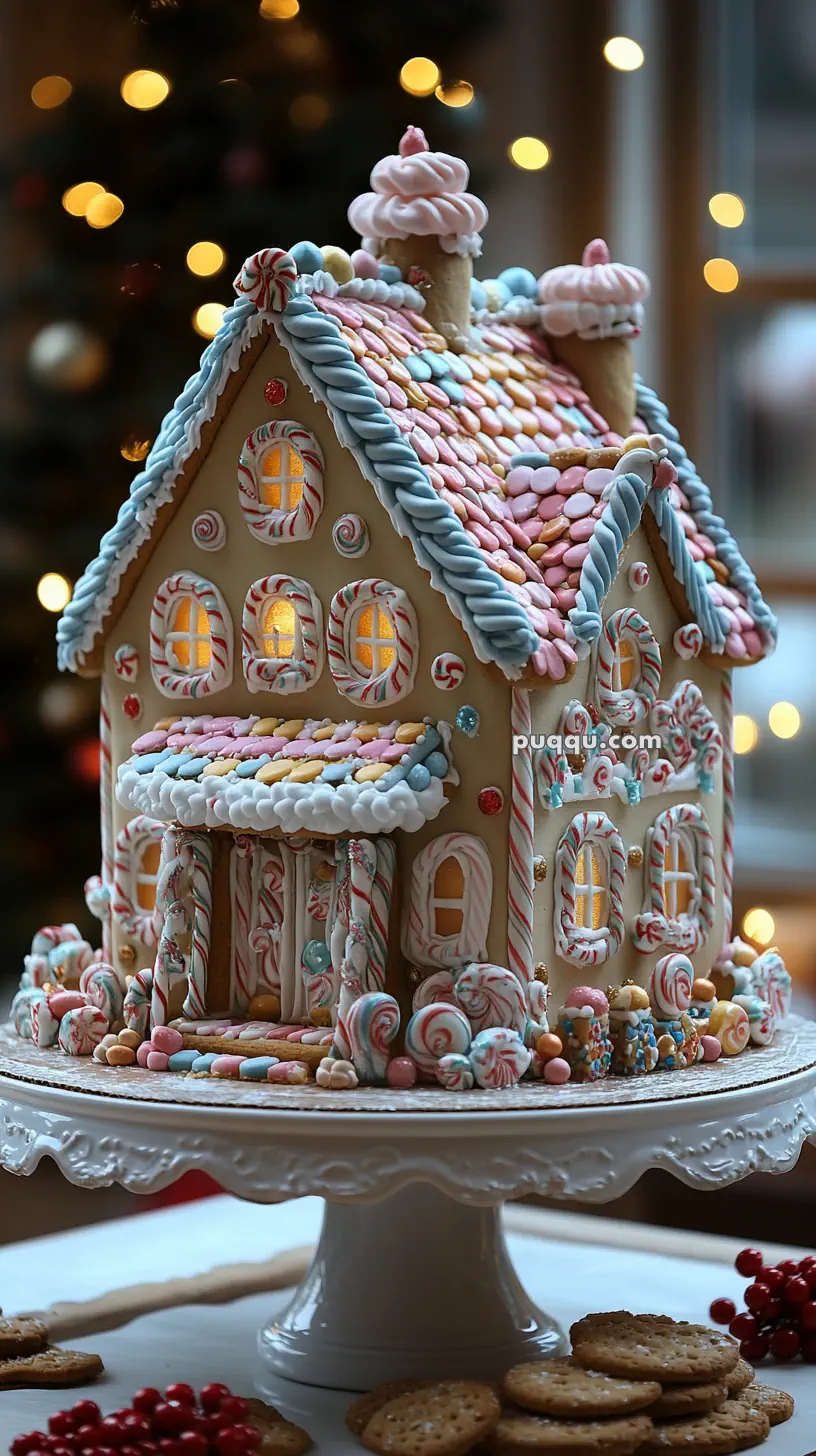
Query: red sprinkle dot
column 491, row 801
column 275, row 391
column 722, row 1311
column 132, row 706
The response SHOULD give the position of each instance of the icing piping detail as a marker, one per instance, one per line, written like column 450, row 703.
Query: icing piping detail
column 689, row 931
column 303, row 666
column 421, row 941
column 171, row 680
column 397, row 678
column 586, row 945
column 285, row 522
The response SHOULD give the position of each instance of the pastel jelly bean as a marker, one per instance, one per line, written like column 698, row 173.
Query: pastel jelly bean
column 254, row 1069
column 183, row 1061
column 143, row 1052
column 203, row 1063
column 157, row 1061
column 226, row 1066
column 557, row 1071
column 712, row 1049
column 166, row 1039
column 401, row 1072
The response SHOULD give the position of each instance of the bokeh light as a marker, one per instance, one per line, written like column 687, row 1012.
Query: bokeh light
column 50, row 91
column 784, row 720
column 420, row 76
column 53, row 591
column 144, row 90
column 529, row 152
column 759, row 925
column 746, row 733
column 727, row 209
column 75, row 200
column 309, row 111
column 721, row 274
column 207, row 319
column 455, row 93
column 279, row 9
column 135, row 447
column 624, row 53
column 104, row 209
column 205, row 259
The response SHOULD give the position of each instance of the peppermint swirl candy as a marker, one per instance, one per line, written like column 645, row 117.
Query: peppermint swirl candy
column 126, row 662
column 432, row 1033
column 491, row 996
column 638, row 575
column 447, row 671
column 437, row 987
column 670, row 985
column 688, row 641
column 499, row 1058
column 209, row 531
column 371, row 1023
column 268, row 279
column 350, row 535
column 455, row 1073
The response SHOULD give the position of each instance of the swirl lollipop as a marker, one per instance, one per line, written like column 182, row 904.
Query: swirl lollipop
column 670, row 986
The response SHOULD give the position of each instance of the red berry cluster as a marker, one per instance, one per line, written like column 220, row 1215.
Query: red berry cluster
column 176, row 1423
column 780, row 1314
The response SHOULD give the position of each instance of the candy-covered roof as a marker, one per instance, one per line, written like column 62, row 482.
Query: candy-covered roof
column 487, row 452
column 314, row 775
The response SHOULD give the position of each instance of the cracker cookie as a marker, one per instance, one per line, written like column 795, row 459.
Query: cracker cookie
column 689, row 1400
column 359, row 1414
column 50, row 1366
column 21, row 1336
column 740, row 1377
column 279, row 1437
column 444, row 1419
column 521, row 1434
column 639, row 1349
column 734, row 1427
column 562, row 1387
column 777, row 1404
column 591, row 1323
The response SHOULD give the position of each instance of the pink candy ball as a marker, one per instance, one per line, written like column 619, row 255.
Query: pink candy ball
column 558, row 1070
column 156, row 1061
column 60, row 1002
column 364, row 265
column 226, row 1066
column 143, row 1052
column 712, row 1049
column 166, row 1039
column 588, row 996
column 401, row 1072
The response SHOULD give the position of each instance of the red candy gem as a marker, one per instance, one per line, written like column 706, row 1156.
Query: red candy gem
column 757, row 1296
column 809, row 1349
column 182, row 1393
column 491, row 801
column 785, row 1344
column 275, row 391
column 236, row 1406
column 788, row 1267
column 807, row 1316
column 132, row 705
column 135, row 1425
column 238, row 1440
column 61, row 1422
column 748, row 1262
column 772, row 1311
column 744, row 1326
column 171, row 1416
column 22, row 1445
column 146, row 1399
column 193, row 1443
column 722, row 1311
column 756, row 1349
column 808, row 1264
column 797, row 1291
column 212, row 1395
column 86, row 1413
column 774, row 1278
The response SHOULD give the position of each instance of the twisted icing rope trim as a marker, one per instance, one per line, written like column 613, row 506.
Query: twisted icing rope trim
column 627, row 497
column 496, row 623
column 655, row 414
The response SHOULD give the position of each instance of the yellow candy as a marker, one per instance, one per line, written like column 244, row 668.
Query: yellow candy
column 409, row 732
column 337, row 262
column 264, row 1008
column 264, row 728
column 370, row 772
column 327, row 731
column 703, row 990
column 130, row 1039
column 120, row 1056
column 219, row 767
column 635, row 442
column 307, row 770
column 729, row 1023
column 290, row 729
column 271, row 773
column 366, row 731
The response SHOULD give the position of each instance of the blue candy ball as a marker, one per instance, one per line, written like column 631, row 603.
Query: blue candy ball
column 519, row 281
column 419, row 777
column 316, row 956
column 307, row 257
column 437, row 764
column 390, row 274
column 478, row 297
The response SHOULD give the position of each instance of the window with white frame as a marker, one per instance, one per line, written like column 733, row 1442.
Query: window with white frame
column 450, row 902
column 590, row 866
column 190, row 637
column 679, row 875
column 628, row 667
column 591, row 890
column 280, row 481
column 680, row 884
column 137, row 864
column 373, row 642
column 282, row 635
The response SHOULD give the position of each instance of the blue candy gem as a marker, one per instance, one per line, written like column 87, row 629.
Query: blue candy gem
column 316, row 956
column 419, row 777
column 467, row 721
column 437, row 765
column 307, row 257
column 519, row 281
column 389, row 274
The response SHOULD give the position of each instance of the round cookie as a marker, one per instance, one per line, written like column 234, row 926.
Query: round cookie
column 689, row 1400
column 21, row 1336
column 359, row 1414
column 734, row 1427
column 444, row 1419
column 521, row 1434
column 591, row 1323
column 51, row 1366
column 282, row 1438
column 639, row 1349
column 777, row 1404
column 562, row 1387
column 740, row 1377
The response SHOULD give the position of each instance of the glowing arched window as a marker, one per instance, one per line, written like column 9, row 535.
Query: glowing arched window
column 591, row 894
column 679, row 875
column 448, row 897
column 680, row 882
column 147, row 874
column 281, row 477
column 373, row 646
column 189, row 640
column 624, row 665
column 280, row 635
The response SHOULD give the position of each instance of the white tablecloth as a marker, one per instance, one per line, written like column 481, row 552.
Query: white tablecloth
column 198, row 1344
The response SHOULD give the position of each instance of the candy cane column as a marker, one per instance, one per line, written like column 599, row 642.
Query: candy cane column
column 520, row 883
column 728, row 805
column 106, row 812
column 199, row 847
column 170, row 965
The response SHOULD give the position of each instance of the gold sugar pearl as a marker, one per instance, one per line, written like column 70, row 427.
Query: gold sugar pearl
column 540, row 973
column 127, row 955
column 539, row 869
column 635, row 856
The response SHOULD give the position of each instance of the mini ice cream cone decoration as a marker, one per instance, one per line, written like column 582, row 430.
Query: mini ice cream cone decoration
column 583, row 1028
column 591, row 312
column 420, row 218
column 631, row 1030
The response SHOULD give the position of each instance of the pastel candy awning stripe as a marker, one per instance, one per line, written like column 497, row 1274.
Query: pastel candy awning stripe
column 312, row 775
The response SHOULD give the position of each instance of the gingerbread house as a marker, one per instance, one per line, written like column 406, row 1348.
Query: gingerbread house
column 415, row 637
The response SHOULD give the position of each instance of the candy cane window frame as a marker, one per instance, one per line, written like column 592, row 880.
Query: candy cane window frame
column 421, row 942
column 172, row 679
column 687, row 930
column 586, row 944
column 133, row 841
column 281, row 504
column 393, row 657
column 627, row 682
column 302, row 667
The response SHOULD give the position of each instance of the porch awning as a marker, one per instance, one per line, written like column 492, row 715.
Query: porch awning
column 289, row 776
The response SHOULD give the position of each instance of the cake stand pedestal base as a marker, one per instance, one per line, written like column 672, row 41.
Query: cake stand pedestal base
column 380, row 1303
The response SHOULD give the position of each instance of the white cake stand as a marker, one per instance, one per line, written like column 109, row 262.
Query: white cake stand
column 411, row 1276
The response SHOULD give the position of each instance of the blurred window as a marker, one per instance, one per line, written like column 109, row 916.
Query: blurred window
column 189, row 642
column 282, row 477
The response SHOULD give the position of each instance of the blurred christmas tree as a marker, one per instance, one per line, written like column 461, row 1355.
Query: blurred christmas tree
column 231, row 126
